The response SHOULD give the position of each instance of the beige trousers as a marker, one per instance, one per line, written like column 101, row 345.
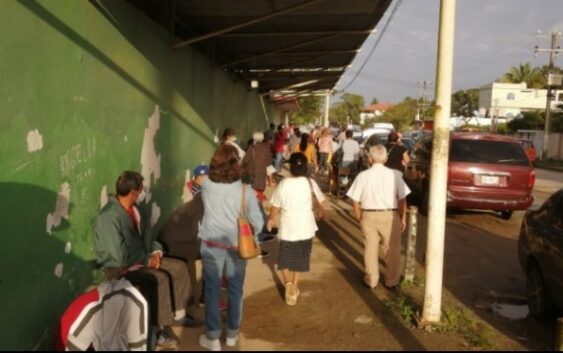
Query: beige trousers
column 382, row 228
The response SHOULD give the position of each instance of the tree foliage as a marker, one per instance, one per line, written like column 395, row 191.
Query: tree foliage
column 310, row 110
column 347, row 109
column 530, row 121
column 464, row 103
column 533, row 77
column 401, row 115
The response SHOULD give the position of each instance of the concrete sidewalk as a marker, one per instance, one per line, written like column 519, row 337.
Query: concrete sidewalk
column 335, row 311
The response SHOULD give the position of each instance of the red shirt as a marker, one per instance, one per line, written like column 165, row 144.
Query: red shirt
column 279, row 142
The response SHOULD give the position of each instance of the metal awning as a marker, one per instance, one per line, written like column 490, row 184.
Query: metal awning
column 291, row 47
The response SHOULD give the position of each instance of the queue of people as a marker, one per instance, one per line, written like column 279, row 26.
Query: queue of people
column 205, row 228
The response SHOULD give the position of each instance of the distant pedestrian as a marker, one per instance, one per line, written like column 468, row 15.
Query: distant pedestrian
column 397, row 155
column 194, row 185
column 308, row 149
column 379, row 200
column 229, row 137
column 294, row 199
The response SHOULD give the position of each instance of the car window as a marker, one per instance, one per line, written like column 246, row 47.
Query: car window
column 526, row 144
column 485, row 151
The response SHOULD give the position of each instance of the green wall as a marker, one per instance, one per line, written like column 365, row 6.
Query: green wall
column 88, row 75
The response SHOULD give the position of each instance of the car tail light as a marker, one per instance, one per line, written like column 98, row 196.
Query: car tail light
column 531, row 179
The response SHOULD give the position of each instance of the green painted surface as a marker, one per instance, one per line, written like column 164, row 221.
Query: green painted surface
column 87, row 75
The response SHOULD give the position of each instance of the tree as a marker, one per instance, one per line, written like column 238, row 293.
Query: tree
column 401, row 115
column 530, row 121
column 374, row 100
column 309, row 112
column 525, row 73
column 347, row 109
column 464, row 103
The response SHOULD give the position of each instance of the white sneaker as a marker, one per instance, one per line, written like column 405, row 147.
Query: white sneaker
column 165, row 341
column 231, row 341
column 212, row 345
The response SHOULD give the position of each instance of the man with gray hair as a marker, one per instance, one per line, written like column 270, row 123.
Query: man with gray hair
column 379, row 198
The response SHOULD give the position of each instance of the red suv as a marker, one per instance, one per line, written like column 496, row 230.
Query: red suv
column 485, row 171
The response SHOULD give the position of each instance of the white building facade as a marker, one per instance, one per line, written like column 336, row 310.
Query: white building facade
column 510, row 99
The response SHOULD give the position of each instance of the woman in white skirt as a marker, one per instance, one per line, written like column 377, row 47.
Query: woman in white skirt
column 294, row 198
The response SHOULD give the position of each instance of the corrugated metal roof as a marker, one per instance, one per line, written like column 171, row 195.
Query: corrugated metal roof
column 288, row 46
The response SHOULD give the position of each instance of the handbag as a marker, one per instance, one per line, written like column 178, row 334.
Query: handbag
column 317, row 208
column 247, row 247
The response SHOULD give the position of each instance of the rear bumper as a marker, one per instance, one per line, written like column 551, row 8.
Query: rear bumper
column 498, row 201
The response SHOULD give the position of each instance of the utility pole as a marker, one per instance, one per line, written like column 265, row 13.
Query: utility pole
column 552, row 51
column 421, row 104
column 439, row 167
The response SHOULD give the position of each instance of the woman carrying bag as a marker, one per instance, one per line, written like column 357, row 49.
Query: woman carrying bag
column 222, row 194
column 299, row 199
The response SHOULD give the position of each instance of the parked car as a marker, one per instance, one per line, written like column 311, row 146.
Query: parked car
column 540, row 250
column 530, row 150
column 485, row 171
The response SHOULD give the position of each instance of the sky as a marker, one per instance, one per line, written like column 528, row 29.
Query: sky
column 491, row 36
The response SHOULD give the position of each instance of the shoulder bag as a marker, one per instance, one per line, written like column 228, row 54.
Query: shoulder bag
column 247, row 247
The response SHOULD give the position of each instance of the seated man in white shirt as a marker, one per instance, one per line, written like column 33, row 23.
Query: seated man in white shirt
column 351, row 151
column 379, row 198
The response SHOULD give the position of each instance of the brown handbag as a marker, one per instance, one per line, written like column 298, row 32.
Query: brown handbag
column 247, row 247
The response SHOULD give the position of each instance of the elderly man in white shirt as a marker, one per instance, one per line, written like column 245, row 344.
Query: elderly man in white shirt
column 379, row 198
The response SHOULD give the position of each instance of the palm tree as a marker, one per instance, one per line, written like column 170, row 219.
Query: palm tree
column 533, row 77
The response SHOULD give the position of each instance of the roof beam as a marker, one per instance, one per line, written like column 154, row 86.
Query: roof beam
column 303, row 33
column 247, row 23
column 299, row 45
column 310, row 52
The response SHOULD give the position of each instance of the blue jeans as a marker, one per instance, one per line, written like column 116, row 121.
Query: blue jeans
column 214, row 261
column 278, row 161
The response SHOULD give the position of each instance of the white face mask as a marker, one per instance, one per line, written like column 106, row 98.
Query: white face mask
column 233, row 138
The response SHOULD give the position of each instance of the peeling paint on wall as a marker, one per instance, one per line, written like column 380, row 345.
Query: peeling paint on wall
column 61, row 208
column 103, row 196
column 155, row 214
column 150, row 160
column 34, row 141
column 59, row 270
column 68, row 247
column 186, row 194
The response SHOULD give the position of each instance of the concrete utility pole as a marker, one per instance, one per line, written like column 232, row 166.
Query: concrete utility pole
column 439, row 168
column 552, row 51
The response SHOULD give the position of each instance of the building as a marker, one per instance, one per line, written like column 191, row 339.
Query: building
column 373, row 111
column 510, row 99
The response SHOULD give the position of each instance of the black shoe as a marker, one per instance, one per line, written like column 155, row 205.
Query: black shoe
column 264, row 254
column 265, row 239
column 188, row 321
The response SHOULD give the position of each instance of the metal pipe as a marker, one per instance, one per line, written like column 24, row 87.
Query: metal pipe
column 439, row 166
column 411, row 245
column 327, row 104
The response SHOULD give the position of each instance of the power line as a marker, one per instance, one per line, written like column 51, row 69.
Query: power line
column 393, row 12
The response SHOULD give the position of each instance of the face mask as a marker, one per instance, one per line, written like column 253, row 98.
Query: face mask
column 233, row 138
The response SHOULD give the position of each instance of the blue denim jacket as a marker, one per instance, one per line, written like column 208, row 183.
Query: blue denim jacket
column 221, row 204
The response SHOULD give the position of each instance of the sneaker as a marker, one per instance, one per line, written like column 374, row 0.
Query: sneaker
column 188, row 321
column 266, row 238
column 264, row 254
column 212, row 345
column 165, row 341
column 231, row 341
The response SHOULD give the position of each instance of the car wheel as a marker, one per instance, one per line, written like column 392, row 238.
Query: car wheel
column 539, row 302
column 506, row 214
